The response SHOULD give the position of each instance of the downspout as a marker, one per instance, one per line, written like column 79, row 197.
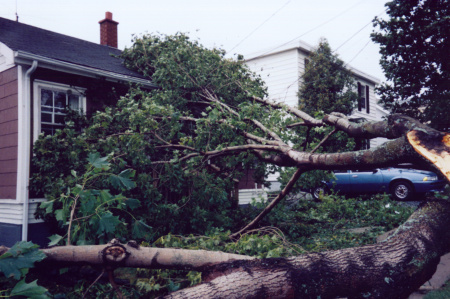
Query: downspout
column 27, row 148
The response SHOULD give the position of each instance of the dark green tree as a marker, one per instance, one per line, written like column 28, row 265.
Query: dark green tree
column 327, row 85
column 415, row 50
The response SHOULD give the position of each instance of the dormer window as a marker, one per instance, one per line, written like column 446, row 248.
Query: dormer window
column 51, row 102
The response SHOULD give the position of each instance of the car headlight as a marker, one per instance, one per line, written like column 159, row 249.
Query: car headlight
column 430, row 178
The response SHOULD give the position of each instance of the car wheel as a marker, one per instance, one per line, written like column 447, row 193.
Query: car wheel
column 319, row 190
column 402, row 191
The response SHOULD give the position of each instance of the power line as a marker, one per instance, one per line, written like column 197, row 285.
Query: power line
column 356, row 33
column 311, row 30
column 259, row 26
column 359, row 52
column 346, row 64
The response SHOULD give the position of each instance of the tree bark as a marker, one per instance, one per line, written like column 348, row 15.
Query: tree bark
column 391, row 269
column 129, row 255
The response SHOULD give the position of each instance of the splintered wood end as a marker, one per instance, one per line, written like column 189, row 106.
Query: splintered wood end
column 435, row 149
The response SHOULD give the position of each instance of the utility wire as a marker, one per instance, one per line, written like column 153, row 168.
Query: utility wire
column 259, row 26
column 359, row 52
column 311, row 30
column 356, row 33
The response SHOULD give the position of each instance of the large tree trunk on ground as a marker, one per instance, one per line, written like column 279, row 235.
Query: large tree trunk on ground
column 391, row 269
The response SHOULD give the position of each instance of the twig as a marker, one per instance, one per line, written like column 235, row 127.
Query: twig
column 114, row 284
column 323, row 140
column 71, row 220
column 95, row 281
column 269, row 207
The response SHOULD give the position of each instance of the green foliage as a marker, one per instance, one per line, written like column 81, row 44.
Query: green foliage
column 19, row 258
column 326, row 225
column 262, row 243
column 327, row 85
column 29, row 290
column 142, row 143
column 88, row 215
column 415, row 46
column 16, row 263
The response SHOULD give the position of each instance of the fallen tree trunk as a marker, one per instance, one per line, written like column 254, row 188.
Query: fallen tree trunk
column 115, row 254
column 391, row 269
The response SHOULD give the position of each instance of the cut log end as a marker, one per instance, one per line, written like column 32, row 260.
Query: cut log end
column 435, row 148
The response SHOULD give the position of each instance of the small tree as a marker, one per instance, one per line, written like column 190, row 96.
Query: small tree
column 415, row 50
column 327, row 85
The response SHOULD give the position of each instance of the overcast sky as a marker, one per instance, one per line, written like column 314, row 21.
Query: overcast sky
column 238, row 26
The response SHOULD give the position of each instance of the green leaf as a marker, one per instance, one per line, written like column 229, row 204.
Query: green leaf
column 47, row 205
column 59, row 215
column 95, row 160
column 139, row 229
column 173, row 286
column 29, row 290
column 54, row 240
column 123, row 180
column 21, row 256
column 63, row 270
column 108, row 223
column 132, row 203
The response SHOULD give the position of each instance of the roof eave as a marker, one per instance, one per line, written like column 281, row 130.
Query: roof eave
column 307, row 48
column 25, row 58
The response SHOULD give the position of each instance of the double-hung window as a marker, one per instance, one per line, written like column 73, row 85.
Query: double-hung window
column 51, row 102
column 363, row 98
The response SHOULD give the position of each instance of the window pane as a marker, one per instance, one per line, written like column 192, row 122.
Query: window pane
column 74, row 101
column 60, row 100
column 59, row 118
column 46, row 100
column 46, row 117
column 53, row 105
column 47, row 129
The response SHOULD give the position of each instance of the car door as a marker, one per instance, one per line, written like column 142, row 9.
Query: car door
column 365, row 181
column 342, row 181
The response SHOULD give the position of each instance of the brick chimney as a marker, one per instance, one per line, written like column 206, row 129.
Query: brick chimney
column 108, row 31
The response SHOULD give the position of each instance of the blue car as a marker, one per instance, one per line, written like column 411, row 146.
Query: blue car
column 401, row 183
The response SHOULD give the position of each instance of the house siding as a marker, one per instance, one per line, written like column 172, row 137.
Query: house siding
column 8, row 133
column 280, row 73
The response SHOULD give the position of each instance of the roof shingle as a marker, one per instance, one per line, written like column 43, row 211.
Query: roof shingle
column 34, row 40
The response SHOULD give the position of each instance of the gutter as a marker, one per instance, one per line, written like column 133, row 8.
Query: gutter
column 26, row 100
column 25, row 58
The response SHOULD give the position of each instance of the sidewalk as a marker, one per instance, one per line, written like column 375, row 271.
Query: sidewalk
column 441, row 275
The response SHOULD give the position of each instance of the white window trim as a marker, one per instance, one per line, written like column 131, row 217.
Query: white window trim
column 37, row 86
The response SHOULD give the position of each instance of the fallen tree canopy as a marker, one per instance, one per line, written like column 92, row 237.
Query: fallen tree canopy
column 391, row 269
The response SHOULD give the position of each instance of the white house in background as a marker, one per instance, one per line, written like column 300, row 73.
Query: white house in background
column 282, row 69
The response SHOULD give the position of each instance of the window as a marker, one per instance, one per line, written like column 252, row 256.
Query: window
column 50, row 103
column 363, row 98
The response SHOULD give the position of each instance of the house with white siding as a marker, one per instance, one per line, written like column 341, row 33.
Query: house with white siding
column 282, row 68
